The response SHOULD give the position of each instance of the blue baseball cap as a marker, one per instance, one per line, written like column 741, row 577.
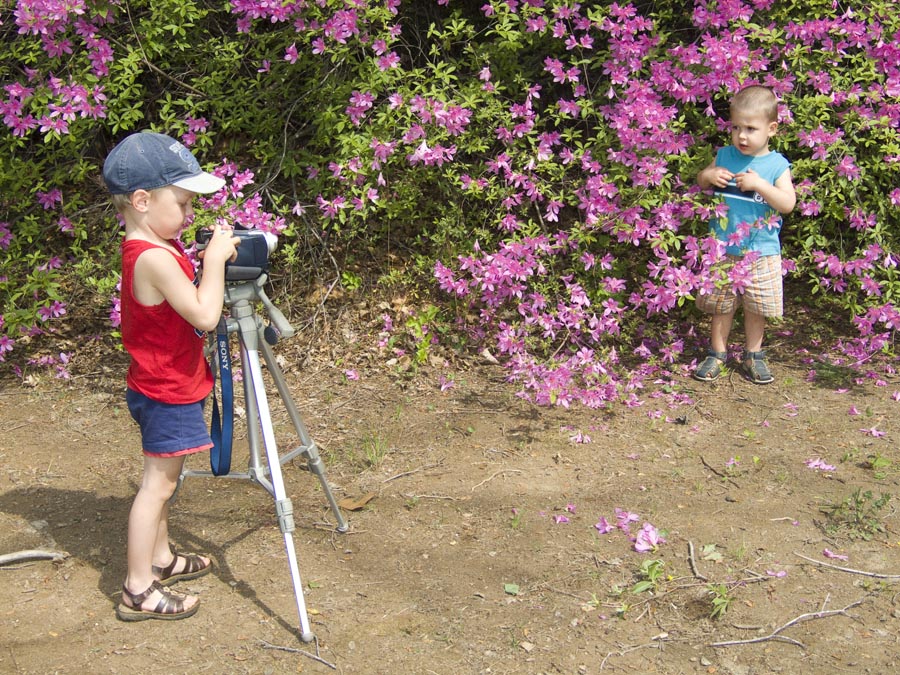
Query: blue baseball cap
column 147, row 160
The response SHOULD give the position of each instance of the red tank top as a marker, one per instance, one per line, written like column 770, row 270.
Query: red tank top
column 167, row 363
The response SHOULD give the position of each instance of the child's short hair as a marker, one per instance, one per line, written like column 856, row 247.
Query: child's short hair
column 121, row 202
column 756, row 99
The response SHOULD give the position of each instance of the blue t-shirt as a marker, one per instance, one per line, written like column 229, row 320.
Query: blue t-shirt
column 747, row 207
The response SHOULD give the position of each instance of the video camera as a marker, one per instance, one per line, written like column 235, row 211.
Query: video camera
column 252, row 254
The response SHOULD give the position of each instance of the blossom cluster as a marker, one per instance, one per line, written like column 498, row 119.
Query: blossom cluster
column 570, row 173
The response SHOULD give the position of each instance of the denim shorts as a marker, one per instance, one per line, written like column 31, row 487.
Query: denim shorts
column 167, row 429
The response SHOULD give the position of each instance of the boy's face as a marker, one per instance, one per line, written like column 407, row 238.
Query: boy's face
column 750, row 132
column 167, row 210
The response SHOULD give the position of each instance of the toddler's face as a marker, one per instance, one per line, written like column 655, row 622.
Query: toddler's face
column 750, row 132
column 171, row 207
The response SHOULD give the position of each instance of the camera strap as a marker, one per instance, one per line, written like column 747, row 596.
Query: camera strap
column 222, row 427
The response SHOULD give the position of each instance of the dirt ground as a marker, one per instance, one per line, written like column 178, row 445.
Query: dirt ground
column 472, row 545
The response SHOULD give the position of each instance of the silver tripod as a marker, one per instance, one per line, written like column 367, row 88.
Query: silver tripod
column 243, row 320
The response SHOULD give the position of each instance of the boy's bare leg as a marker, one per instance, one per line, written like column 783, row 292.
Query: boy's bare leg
column 754, row 330
column 721, row 328
column 161, row 547
column 162, row 551
column 148, row 518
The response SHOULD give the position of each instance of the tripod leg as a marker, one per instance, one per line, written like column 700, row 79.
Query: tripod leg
column 283, row 507
column 316, row 465
column 255, row 470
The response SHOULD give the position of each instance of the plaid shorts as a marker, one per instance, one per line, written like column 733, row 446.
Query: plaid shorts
column 763, row 294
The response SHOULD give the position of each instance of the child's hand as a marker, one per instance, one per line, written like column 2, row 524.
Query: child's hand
column 748, row 181
column 222, row 246
column 719, row 176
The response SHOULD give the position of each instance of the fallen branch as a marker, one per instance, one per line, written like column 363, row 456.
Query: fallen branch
column 32, row 554
column 656, row 642
column 693, row 563
column 717, row 472
column 850, row 570
column 498, row 473
column 410, row 496
column 774, row 635
column 410, row 473
column 292, row 650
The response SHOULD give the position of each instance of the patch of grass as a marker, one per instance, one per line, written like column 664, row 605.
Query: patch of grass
column 832, row 376
column 858, row 515
column 515, row 521
column 375, row 448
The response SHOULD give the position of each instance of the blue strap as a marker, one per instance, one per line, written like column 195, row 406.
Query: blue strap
column 221, row 431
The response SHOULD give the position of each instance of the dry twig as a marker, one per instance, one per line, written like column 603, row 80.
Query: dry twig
column 717, row 472
column 775, row 634
column 693, row 563
column 876, row 575
column 409, row 473
column 292, row 650
column 492, row 477
column 411, row 496
column 32, row 554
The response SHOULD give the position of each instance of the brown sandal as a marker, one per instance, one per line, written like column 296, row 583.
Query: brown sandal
column 169, row 608
column 194, row 567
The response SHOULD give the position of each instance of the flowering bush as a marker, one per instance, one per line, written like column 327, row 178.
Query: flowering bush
column 538, row 156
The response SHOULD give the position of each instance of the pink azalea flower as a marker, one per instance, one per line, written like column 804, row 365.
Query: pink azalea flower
column 817, row 463
column 873, row 432
column 624, row 518
column 828, row 553
column 351, row 375
column 560, row 519
column 603, row 527
column 779, row 574
column 648, row 539
column 853, row 410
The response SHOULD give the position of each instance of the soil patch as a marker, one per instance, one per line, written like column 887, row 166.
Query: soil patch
column 477, row 545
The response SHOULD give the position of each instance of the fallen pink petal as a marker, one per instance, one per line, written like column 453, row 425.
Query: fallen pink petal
column 817, row 463
column 828, row 553
column 603, row 527
column 648, row 539
column 623, row 518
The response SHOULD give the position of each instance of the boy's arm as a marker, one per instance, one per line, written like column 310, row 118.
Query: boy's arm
column 780, row 196
column 201, row 306
column 714, row 176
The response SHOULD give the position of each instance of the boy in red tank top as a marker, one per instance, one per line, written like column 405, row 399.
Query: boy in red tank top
column 153, row 180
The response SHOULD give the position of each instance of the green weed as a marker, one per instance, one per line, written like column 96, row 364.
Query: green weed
column 858, row 515
column 721, row 600
column 651, row 573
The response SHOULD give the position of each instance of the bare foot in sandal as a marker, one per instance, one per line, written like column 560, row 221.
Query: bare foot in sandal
column 156, row 602
column 184, row 566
